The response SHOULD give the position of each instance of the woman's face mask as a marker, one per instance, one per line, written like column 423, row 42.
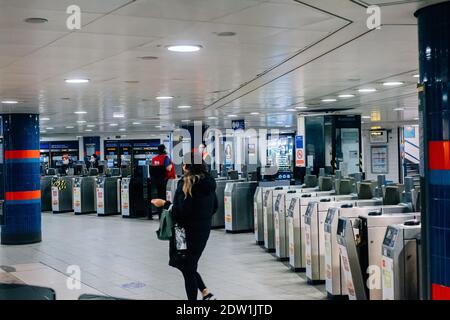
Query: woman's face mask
column 66, row 161
column 92, row 159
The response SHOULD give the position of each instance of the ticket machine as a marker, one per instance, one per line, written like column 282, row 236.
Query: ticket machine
column 360, row 244
column 401, row 261
column 218, row 220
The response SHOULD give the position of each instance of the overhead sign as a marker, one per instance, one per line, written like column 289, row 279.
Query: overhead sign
column 299, row 151
column 238, row 124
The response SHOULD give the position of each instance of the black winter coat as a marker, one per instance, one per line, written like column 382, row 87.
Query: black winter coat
column 195, row 215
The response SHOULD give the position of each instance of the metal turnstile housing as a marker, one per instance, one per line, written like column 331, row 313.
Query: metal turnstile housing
column 62, row 194
column 238, row 203
column 108, row 196
column 84, row 195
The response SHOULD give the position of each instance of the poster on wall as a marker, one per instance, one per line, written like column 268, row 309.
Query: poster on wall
column 229, row 154
column 379, row 159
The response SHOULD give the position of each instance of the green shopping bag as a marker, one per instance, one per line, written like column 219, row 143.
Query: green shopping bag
column 165, row 225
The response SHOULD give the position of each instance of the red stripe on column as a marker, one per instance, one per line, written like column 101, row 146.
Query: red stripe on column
column 23, row 195
column 440, row 292
column 439, row 155
column 22, row 154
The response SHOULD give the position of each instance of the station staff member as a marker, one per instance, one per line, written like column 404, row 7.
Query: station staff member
column 162, row 170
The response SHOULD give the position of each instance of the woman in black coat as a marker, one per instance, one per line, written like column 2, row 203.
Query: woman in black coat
column 194, row 204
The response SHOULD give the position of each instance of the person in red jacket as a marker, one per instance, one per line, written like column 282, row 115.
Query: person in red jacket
column 162, row 170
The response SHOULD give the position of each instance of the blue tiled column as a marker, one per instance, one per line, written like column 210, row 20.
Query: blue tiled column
column 21, row 179
column 434, row 91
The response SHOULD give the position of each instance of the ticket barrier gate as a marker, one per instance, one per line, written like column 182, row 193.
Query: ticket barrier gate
column 108, row 196
column 401, row 261
column 334, row 276
column 84, row 195
column 258, row 202
column 132, row 202
column 315, row 217
column 296, row 227
column 218, row 219
column 62, row 194
column 46, row 190
column 238, row 206
column 360, row 244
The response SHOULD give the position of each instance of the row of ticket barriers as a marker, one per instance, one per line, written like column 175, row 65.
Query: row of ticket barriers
column 360, row 238
column 109, row 194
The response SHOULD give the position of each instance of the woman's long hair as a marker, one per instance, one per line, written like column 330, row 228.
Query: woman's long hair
column 195, row 170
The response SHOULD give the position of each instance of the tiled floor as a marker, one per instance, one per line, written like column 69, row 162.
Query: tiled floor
column 123, row 258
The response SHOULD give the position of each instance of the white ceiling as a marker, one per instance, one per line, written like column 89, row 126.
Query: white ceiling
column 285, row 54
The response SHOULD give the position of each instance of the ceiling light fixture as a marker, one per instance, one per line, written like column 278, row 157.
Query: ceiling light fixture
column 212, row 118
column 225, row 34
column 300, row 108
column 393, row 83
column 416, row 76
column 91, row 126
column 329, row 100
column 10, row 102
column 164, row 98
column 367, row 90
column 345, row 96
column 366, row 117
column 184, row 107
column 45, row 119
column 416, row 119
column 291, row 110
column 136, row 123
column 81, row 121
column 49, row 128
column 122, row 129
column 254, row 113
column 76, row 81
column 80, row 112
column 88, row 130
column 113, row 124
column 399, row 109
column 184, row 48
column 148, row 58
column 70, row 127
column 232, row 116
column 118, row 115
column 186, row 120
column 158, row 127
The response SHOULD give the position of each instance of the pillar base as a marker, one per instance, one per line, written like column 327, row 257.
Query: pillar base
column 21, row 239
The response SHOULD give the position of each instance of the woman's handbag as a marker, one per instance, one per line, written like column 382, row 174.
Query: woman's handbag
column 165, row 225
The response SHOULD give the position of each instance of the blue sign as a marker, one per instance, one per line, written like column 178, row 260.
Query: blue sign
column 238, row 124
column 299, row 142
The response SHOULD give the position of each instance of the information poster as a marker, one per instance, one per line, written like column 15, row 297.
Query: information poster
column 299, row 152
column 379, row 159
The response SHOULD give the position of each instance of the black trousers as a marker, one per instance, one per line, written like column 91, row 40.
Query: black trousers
column 193, row 282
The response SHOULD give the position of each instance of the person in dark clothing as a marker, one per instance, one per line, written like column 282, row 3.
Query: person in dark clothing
column 93, row 161
column 194, row 204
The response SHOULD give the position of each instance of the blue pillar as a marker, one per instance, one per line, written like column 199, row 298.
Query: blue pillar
column 434, row 110
column 21, row 179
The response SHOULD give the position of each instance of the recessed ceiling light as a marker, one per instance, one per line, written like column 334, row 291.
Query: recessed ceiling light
column 416, row 118
column 366, row 117
column 118, row 115
column 329, row 100
column 76, row 81
column 70, row 127
column 254, row 113
column 184, row 48
column 43, row 131
column 10, row 102
column 399, row 109
column 45, row 119
column 158, row 127
column 49, row 128
column 122, row 129
column 80, row 112
column 91, row 126
column 81, row 121
column 36, row 20
column 232, row 115
column 136, row 123
column 164, row 98
column 88, row 130
column 393, row 83
column 346, row 96
column 416, row 76
column 367, row 90
column 184, row 107
column 132, row 81
column 186, row 120
column 212, row 118
column 287, row 126
column 300, row 108
column 291, row 110
column 113, row 124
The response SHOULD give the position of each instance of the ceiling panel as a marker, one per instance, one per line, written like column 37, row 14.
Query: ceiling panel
column 89, row 6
